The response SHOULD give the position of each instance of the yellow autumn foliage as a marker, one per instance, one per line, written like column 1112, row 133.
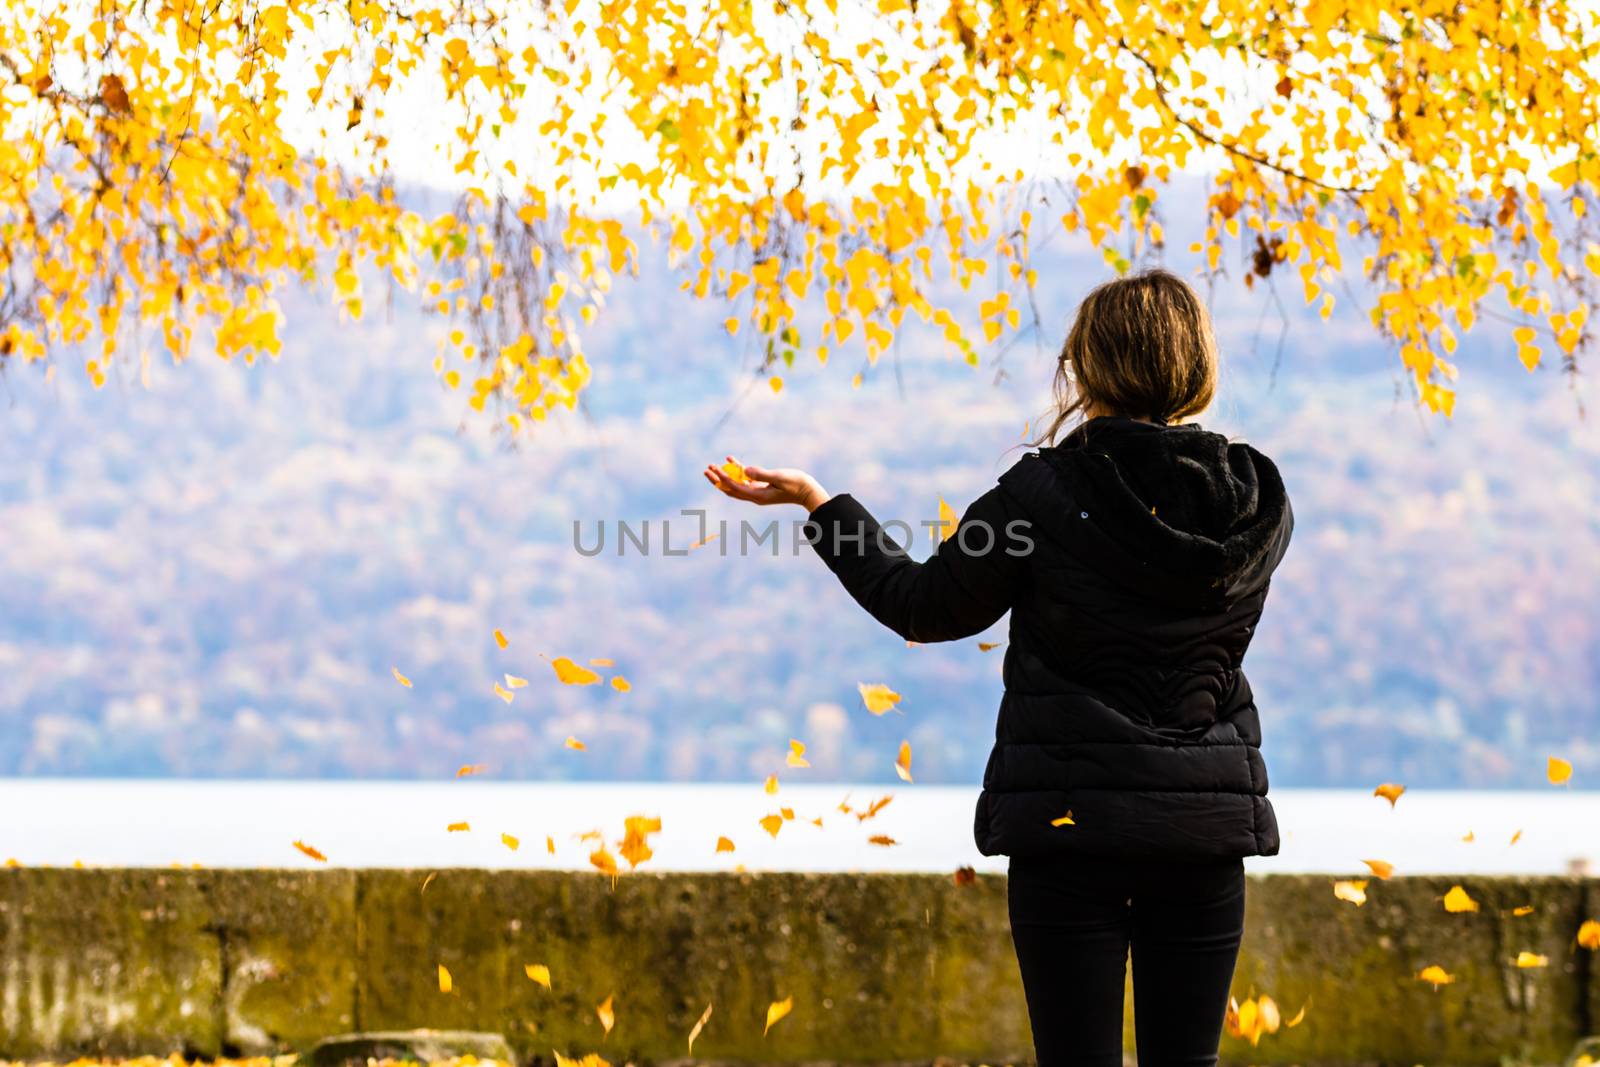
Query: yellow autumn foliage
column 173, row 167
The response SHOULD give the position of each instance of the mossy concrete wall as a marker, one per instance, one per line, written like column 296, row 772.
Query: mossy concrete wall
column 881, row 967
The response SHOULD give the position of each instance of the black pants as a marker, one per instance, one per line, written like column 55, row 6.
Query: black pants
column 1073, row 922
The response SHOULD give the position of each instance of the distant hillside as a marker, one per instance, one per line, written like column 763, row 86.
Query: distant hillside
column 216, row 576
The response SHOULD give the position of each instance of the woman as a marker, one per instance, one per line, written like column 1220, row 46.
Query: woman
column 1126, row 781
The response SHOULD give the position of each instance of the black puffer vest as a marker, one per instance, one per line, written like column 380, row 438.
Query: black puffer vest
column 1125, row 703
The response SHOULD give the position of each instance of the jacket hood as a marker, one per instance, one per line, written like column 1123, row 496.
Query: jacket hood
column 1189, row 512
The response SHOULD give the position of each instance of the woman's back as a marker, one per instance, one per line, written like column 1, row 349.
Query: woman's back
column 1152, row 548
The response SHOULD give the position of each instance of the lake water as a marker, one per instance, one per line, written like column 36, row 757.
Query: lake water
column 403, row 824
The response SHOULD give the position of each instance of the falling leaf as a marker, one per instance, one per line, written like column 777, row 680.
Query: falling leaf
column 882, row 839
column 513, row 682
column 1519, row 912
column 550, row 845
column 620, row 684
column 772, row 824
column 1435, row 976
column 989, row 646
column 402, row 679
column 1355, row 891
column 1589, row 934
column 604, row 861
column 426, row 882
column 576, row 745
column 537, row 972
column 787, row 813
column 735, row 472
column 503, row 693
column 607, row 1018
column 770, row 786
column 1457, row 900
column 726, row 845
column 1253, row 1019
column 1559, row 771
column 878, row 697
column 902, row 765
column 1380, row 868
column 1526, row 960
column 966, row 876
column 445, row 983
column 510, row 842
column 500, row 639
column 458, row 827
column 1299, row 1016
column 469, row 769
column 817, row 822
column 635, row 846
column 1065, row 820
column 873, row 808
column 602, row 661
column 948, row 521
column 1389, row 791
column 1469, row 837
column 1515, row 838
column 777, row 1010
column 705, row 1017
column 309, row 851
column 572, row 674
column 797, row 754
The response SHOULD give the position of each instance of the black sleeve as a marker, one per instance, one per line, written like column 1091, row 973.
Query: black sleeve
column 962, row 589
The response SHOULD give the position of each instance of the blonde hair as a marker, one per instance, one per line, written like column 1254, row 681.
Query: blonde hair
column 1139, row 346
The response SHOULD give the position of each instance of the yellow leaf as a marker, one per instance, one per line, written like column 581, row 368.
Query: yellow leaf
column 1525, row 909
column 1526, row 960
column 1457, row 901
column 1469, row 837
column 1589, row 934
column 635, row 846
column 510, row 842
column 797, row 754
column 603, row 661
column 1299, row 1016
column 705, row 1017
column 777, row 1010
column 500, row 639
column 607, row 1018
column 445, row 983
column 770, row 786
column 877, row 697
column 772, row 824
column 1065, row 820
column 458, row 827
column 1380, row 868
column 402, row 679
column 1559, row 771
column 948, row 521
column 902, row 765
column 986, row 646
column 726, row 845
column 571, row 673
column 620, row 684
column 1435, row 976
column 309, row 851
column 883, row 840
column 574, row 744
column 503, row 693
column 1515, row 838
column 776, row 383
column 469, row 769
column 1354, row 891
column 513, row 682
column 550, row 845
column 735, row 472
column 537, row 972
column 604, row 860
column 1389, row 791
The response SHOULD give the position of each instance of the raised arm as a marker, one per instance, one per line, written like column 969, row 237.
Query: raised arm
column 962, row 589
column 968, row 583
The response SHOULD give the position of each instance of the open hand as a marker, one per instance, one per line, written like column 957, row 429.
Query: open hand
column 783, row 485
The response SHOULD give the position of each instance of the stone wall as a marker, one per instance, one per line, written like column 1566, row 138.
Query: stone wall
column 882, row 967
